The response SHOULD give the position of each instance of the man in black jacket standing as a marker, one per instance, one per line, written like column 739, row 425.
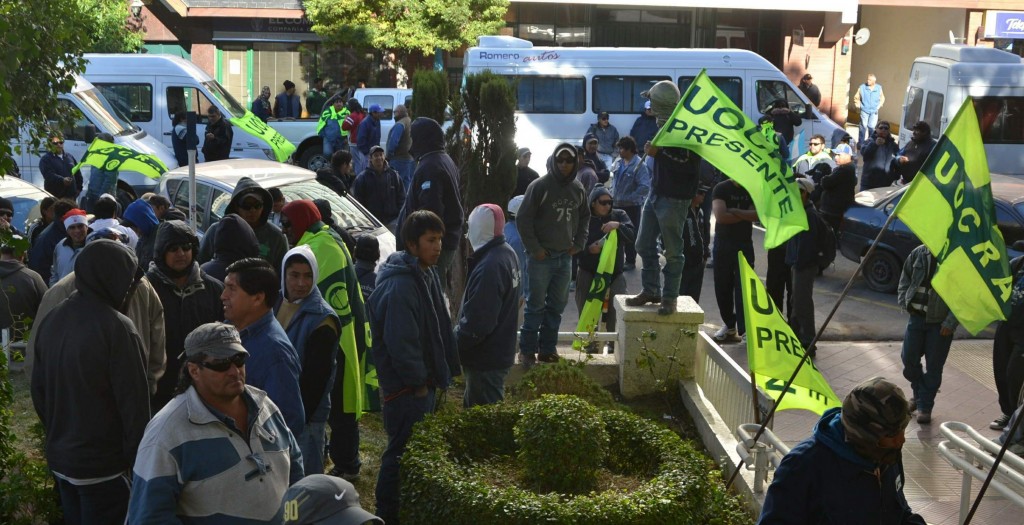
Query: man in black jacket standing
column 909, row 160
column 55, row 166
column 89, row 387
column 219, row 136
column 802, row 258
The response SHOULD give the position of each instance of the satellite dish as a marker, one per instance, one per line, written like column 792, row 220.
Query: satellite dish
column 861, row 36
column 952, row 37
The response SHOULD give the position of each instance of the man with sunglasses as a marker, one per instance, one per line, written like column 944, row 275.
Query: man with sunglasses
column 89, row 386
column 878, row 156
column 55, row 166
column 816, row 154
column 220, row 450
column 252, row 203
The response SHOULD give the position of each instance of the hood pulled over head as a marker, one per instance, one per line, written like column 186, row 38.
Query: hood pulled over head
column 302, row 214
column 243, row 189
column 235, row 240
column 306, row 253
column 486, row 222
column 106, row 270
column 141, row 214
column 427, row 137
column 172, row 233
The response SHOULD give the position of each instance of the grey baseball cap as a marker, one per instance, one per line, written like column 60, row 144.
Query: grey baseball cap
column 319, row 499
column 217, row 340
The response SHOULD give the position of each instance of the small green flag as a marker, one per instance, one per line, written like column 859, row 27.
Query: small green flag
column 590, row 317
column 773, row 352
column 709, row 124
column 949, row 207
column 115, row 157
column 251, row 123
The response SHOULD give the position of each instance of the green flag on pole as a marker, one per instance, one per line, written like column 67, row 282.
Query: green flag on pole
column 115, row 157
column 949, row 207
column 599, row 288
column 709, row 124
column 773, row 352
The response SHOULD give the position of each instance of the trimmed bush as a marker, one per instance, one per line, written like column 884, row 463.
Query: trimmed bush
column 445, row 479
column 561, row 378
column 562, row 441
column 430, row 95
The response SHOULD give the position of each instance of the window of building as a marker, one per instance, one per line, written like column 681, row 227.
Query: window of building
column 731, row 86
column 551, row 94
column 1001, row 119
column 912, row 113
column 616, row 94
column 933, row 111
column 768, row 91
column 133, row 100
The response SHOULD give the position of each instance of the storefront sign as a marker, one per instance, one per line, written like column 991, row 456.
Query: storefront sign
column 1004, row 24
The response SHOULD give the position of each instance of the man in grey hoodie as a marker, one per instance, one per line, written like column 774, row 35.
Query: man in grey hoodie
column 552, row 223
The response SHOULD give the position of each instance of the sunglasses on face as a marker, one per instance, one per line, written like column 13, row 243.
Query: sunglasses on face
column 222, row 365
column 251, row 206
column 815, row 144
column 57, row 142
column 564, row 161
column 185, row 248
column 883, row 128
column 604, row 203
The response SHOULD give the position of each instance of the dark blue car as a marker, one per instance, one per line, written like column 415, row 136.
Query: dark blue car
column 872, row 208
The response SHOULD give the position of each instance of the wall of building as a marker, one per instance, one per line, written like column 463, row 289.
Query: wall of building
column 898, row 36
column 821, row 57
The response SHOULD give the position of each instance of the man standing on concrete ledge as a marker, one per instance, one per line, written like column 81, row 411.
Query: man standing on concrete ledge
column 851, row 469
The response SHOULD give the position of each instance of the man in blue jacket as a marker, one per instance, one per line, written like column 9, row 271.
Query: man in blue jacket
column 55, row 166
column 851, row 469
column 414, row 348
column 287, row 104
column 369, row 130
column 486, row 333
column 869, row 99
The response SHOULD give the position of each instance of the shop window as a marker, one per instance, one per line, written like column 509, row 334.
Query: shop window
column 133, row 100
column 731, row 86
column 551, row 94
column 768, row 91
column 1001, row 119
column 616, row 94
column 933, row 111
column 912, row 114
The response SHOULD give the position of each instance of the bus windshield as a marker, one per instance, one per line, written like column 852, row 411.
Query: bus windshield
column 107, row 118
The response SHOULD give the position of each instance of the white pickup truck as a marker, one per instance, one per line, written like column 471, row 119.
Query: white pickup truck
column 302, row 132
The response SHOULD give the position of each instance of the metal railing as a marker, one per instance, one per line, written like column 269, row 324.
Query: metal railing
column 727, row 385
column 975, row 460
column 768, row 450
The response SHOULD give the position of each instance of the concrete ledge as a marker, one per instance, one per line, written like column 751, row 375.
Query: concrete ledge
column 601, row 368
column 671, row 355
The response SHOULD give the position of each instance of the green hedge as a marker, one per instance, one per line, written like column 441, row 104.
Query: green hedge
column 441, row 485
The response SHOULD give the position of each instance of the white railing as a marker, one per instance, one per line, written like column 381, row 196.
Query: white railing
column 768, row 450
column 975, row 460
column 727, row 385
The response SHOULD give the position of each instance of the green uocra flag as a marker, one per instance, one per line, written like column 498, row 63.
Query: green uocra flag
column 590, row 317
column 949, row 206
column 278, row 144
column 115, row 157
column 709, row 124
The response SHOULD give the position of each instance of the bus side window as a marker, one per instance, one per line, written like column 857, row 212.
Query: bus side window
column 933, row 111
column 915, row 98
column 180, row 98
column 551, row 94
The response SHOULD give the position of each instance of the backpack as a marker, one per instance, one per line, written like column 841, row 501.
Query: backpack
column 825, row 240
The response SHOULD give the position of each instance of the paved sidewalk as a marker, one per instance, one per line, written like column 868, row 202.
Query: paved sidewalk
column 967, row 395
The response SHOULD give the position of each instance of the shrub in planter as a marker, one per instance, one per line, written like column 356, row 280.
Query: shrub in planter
column 562, row 441
column 460, row 468
column 560, row 378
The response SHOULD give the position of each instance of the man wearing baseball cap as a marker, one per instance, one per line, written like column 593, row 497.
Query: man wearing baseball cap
column 369, row 130
column 220, row 447
column 319, row 499
column 645, row 127
column 851, row 469
column 607, row 138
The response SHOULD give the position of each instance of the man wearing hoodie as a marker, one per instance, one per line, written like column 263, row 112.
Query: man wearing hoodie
column 234, row 241
column 67, row 250
column 142, row 219
column 313, row 328
column 851, row 469
column 379, row 188
column 338, row 284
column 435, row 187
column 414, row 347
column 253, row 203
column 89, row 387
column 190, row 296
column 22, row 287
column 603, row 220
column 552, row 223
column 40, row 256
column 486, row 333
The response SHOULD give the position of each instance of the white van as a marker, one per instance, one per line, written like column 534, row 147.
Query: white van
column 940, row 82
column 93, row 114
column 562, row 90
column 150, row 88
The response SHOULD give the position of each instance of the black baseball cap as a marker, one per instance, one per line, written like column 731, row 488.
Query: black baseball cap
column 320, row 499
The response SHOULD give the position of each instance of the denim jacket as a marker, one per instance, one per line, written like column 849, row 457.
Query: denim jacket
column 915, row 270
column 632, row 181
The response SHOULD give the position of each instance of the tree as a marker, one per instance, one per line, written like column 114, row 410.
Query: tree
column 41, row 51
column 490, row 171
column 430, row 96
column 422, row 25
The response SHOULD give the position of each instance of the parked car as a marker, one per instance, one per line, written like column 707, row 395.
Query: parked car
column 216, row 180
column 871, row 209
column 25, row 197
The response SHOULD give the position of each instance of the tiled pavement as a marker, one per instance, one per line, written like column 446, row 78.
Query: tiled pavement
column 967, row 395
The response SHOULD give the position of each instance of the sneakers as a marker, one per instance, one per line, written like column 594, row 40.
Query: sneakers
column 924, row 417
column 1000, row 422
column 725, row 335
column 548, row 358
column 527, row 360
column 628, row 267
column 668, row 306
column 347, row 476
column 642, row 299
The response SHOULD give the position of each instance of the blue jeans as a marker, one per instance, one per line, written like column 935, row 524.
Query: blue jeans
column 547, row 292
column 484, row 387
column 400, row 414
column 405, row 169
column 311, row 443
column 868, row 121
column 358, row 159
column 923, row 340
column 727, row 280
column 666, row 217
column 100, row 504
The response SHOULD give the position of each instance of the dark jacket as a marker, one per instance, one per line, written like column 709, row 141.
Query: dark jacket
column 607, row 138
column 141, row 214
column 382, row 193
column 23, row 290
column 54, row 170
column 435, row 184
column 877, row 171
column 555, row 214
column 486, row 333
column 261, row 108
column 916, row 153
column 838, row 190
column 644, row 129
column 413, row 343
column 802, row 248
column 333, row 180
column 600, row 168
column 40, row 256
column 823, row 480
column 784, row 120
column 89, row 383
column 287, row 106
column 366, row 273
column 273, row 367
column 234, row 241
column 219, row 147
column 676, row 173
column 273, row 243
column 185, row 308
column 627, row 235
column 368, row 134
column 524, row 176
